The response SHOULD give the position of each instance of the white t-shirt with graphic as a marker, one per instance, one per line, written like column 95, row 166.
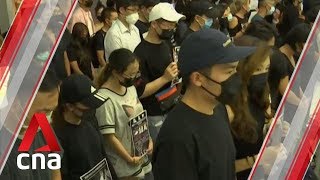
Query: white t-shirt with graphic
column 113, row 118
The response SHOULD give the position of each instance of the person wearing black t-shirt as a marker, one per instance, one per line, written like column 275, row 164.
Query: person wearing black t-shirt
column 143, row 22
column 195, row 142
column 79, row 52
column 202, row 15
column 155, row 58
column 108, row 15
column 283, row 64
column 292, row 15
column 81, row 141
column 237, row 23
column 248, row 118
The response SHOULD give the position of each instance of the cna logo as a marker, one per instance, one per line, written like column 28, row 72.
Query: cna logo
column 53, row 160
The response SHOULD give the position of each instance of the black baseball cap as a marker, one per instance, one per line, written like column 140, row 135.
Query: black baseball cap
column 208, row 47
column 79, row 89
column 202, row 8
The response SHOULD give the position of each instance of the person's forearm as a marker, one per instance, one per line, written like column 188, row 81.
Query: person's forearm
column 293, row 99
column 102, row 62
column 56, row 175
column 118, row 147
column 77, row 71
column 75, row 68
column 67, row 63
column 153, row 87
column 101, row 59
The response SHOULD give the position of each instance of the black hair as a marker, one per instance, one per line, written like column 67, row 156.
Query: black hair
column 50, row 82
column 262, row 3
column 262, row 30
column 126, row 3
column 183, row 7
column 149, row 3
column 311, row 15
column 186, row 78
column 280, row 7
column 111, row 3
column 106, row 14
column 97, row 8
column 78, row 29
column 119, row 61
column 82, row 47
column 298, row 34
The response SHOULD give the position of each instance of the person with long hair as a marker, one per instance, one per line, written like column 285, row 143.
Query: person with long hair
column 79, row 52
column 116, row 83
column 283, row 62
column 250, row 110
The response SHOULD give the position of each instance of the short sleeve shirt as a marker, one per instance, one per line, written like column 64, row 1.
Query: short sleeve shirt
column 113, row 118
column 120, row 36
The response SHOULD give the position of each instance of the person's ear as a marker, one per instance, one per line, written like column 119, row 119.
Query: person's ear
column 196, row 79
column 122, row 10
column 153, row 24
column 107, row 21
column 69, row 106
column 197, row 18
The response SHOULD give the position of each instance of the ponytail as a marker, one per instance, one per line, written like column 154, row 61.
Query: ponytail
column 103, row 75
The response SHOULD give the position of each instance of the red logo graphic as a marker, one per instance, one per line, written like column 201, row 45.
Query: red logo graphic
column 40, row 120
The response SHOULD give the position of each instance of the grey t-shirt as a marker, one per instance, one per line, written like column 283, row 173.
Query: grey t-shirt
column 113, row 118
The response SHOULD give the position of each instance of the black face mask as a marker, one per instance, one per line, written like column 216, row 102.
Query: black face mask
column 230, row 88
column 224, row 23
column 257, row 84
column 88, row 3
column 128, row 82
column 166, row 34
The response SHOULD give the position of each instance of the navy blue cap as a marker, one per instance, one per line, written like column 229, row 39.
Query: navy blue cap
column 79, row 89
column 202, row 8
column 208, row 47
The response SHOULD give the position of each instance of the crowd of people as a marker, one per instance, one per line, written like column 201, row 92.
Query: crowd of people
column 170, row 90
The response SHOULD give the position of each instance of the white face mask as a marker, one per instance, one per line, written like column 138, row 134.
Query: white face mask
column 271, row 11
column 132, row 18
column 229, row 17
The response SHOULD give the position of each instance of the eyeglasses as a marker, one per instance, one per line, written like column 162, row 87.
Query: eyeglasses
column 133, row 9
column 132, row 77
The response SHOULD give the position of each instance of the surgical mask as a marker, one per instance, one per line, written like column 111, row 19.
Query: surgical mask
column 166, row 34
column 132, row 18
column 257, row 84
column 229, row 17
column 271, row 11
column 128, row 82
column 230, row 88
column 208, row 24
